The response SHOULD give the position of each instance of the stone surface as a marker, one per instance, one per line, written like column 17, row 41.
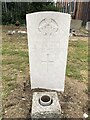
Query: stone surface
column 76, row 24
column 51, row 111
column 48, row 34
column 88, row 26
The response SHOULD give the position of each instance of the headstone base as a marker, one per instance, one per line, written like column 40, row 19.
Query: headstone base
column 52, row 110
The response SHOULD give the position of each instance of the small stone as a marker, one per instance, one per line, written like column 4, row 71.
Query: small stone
column 85, row 115
column 80, row 102
column 20, row 71
column 62, row 112
column 22, row 32
column 5, row 111
column 12, row 91
column 13, row 31
column 20, row 108
column 10, row 32
column 23, row 99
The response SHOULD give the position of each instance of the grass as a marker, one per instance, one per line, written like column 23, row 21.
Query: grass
column 15, row 59
column 77, row 66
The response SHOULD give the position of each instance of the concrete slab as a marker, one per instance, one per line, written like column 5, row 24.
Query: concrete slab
column 49, row 111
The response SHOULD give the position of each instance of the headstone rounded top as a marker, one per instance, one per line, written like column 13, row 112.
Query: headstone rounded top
column 48, row 12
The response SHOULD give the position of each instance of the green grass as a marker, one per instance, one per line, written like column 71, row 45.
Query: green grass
column 77, row 66
column 14, row 59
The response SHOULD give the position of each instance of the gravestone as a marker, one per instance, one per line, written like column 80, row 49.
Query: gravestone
column 48, row 35
column 76, row 24
column 88, row 26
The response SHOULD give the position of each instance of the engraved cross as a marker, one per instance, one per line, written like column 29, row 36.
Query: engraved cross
column 47, row 61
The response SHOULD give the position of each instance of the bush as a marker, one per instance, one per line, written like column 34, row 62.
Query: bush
column 16, row 11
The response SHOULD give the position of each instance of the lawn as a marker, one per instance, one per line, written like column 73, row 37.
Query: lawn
column 77, row 66
column 15, row 58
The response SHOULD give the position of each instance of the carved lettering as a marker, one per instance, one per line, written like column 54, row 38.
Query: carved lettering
column 48, row 26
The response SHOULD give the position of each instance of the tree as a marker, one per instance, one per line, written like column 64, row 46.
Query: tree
column 16, row 11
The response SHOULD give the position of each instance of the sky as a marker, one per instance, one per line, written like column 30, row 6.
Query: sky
column 55, row 1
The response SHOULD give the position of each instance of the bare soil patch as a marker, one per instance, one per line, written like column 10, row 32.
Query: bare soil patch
column 74, row 100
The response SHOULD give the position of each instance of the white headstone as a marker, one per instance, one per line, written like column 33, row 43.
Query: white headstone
column 48, row 35
column 88, row 25
column 76, row 24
